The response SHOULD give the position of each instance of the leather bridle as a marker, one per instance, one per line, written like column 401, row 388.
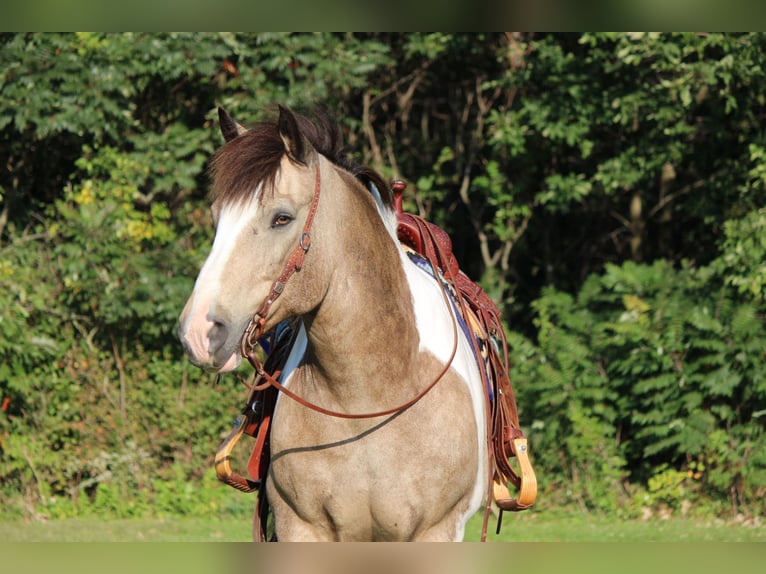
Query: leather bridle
column 255, row 328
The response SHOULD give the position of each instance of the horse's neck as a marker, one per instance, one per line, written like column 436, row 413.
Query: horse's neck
column 363, row 339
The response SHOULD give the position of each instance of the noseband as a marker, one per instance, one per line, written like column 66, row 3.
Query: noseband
column 255, row 328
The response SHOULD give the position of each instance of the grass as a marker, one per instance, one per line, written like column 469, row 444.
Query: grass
column 522, row 527
column 173, row 529
column 539, row 527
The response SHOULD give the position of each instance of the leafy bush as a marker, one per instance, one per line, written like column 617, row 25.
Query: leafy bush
column 650, row 374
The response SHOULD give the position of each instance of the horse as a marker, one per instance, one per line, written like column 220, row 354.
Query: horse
column 304, row 234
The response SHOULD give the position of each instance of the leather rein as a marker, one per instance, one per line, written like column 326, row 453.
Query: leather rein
column 255, row 328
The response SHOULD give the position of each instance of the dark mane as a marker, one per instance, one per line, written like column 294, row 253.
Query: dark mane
column 238, row 167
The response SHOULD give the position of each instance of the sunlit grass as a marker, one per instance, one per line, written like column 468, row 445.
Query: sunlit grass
column 128, row 530
column 521, row 527
column 532, row 526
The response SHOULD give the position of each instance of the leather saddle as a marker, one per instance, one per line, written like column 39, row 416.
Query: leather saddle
column 505, row 438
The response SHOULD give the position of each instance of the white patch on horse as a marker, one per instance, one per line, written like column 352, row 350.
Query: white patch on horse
column 435, row 332
column 436, row 337
column 387, row 215
column 232, row 222
column 295, row 357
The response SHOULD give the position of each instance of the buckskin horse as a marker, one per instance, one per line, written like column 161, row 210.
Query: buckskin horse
column 383, row 424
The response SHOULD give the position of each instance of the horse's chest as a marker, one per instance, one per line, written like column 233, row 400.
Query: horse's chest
column 332, row 460
column 371, row 479
column 336, row 484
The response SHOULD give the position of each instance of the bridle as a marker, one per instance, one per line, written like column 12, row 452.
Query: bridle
column 255, row 328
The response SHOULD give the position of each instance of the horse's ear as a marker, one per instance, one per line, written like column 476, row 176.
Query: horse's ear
column 295, row 145
column 229, row 128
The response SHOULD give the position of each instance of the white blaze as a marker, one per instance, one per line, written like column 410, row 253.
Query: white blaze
column 233, row 220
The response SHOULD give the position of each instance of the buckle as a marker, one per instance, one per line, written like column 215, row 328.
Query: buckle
column 252, row 333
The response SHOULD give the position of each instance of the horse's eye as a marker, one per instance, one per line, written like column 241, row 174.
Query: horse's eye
column 280, row 220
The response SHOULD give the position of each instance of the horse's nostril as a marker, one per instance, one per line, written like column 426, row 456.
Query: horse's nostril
column 217, row 336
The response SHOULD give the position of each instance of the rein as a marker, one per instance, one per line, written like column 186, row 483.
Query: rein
column 255, row 327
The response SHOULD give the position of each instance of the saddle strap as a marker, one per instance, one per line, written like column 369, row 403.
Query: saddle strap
column 255, row 421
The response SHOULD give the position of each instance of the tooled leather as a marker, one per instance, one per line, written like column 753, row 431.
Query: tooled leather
column 434, row 243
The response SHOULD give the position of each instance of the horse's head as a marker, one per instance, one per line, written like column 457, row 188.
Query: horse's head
column 264, row 183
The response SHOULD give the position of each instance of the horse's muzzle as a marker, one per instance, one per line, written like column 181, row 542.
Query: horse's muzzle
column 207, row 345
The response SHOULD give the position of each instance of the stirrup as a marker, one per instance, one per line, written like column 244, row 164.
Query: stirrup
column 223, row 469
column 527, row 482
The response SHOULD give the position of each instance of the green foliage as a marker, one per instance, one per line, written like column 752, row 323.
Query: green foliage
column 665, row 367
column 114, row 242
column 744, row 254
column 666, row 487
